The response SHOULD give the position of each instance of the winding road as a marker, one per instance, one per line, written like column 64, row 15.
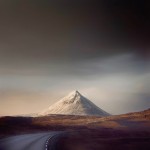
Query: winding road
column 37, row 141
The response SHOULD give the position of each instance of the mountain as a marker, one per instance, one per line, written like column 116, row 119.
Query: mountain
column 74, row 104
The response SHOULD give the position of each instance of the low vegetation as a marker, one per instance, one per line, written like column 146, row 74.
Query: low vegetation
column 127, row 131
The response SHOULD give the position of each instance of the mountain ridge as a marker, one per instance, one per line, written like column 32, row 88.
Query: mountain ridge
column 74, row 104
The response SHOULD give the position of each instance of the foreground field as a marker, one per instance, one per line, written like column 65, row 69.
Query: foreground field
column 106, row 139
column 120, row 132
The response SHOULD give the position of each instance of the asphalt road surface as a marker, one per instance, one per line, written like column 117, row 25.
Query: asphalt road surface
column 36, row 141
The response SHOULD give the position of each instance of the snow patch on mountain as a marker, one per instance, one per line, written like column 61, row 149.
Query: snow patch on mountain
column 74, row 104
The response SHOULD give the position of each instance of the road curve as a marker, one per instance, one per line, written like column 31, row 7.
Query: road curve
column 37, row 141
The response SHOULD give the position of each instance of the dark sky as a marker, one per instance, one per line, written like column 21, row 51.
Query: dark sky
column 51, row 47
column 48, row 29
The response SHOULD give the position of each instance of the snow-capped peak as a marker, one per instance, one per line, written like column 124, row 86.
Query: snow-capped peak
column 74, row 104
column 74, row 93
column 72, row 96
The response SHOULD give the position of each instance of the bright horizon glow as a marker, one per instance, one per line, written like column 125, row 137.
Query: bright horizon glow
column 119, row 90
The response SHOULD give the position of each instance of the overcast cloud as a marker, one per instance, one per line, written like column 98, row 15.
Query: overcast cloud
column 48, row 49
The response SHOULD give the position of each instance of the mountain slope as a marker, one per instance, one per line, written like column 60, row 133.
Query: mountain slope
column 74, row 104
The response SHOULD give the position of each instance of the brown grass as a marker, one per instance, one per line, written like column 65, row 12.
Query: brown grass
column 19, row 125
column 106, row 139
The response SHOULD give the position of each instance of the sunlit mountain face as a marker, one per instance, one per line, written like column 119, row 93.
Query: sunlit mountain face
column 74, row 104
column 50, row 48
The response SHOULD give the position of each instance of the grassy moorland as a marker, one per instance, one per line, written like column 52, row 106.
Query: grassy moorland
column 105, row 139
column 119, row 132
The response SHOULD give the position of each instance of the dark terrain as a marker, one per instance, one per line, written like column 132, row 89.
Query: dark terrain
column 119, row 132
column 105, row 139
